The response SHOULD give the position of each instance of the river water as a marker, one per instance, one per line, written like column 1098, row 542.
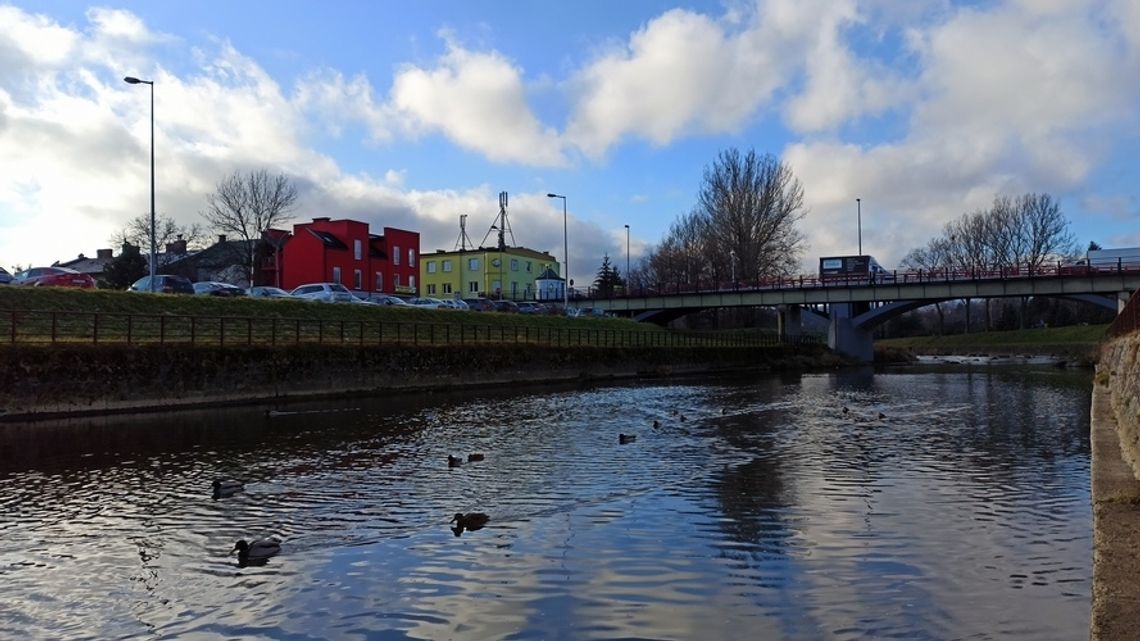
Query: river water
column 767, row 513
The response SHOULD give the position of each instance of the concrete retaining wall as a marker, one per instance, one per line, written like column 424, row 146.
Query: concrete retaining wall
column 46, row 381
column 1116, row 492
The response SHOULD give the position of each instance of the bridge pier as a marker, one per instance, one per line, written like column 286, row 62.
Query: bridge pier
column 844, row 337
column 788, row 321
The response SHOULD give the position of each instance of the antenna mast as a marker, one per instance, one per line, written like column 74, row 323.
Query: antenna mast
column 501, row 224
column 463, row 241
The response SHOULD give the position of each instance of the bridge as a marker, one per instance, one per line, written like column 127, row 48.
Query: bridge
column 855, row 306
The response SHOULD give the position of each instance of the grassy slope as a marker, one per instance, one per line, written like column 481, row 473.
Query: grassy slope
column 1073, row 339
column 106, row 301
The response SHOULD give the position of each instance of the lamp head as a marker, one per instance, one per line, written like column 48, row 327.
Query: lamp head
column 554, row 196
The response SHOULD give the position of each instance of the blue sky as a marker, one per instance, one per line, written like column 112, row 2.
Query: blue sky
column 409, row 114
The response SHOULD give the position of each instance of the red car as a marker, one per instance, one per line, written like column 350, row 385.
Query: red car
column 53, row 277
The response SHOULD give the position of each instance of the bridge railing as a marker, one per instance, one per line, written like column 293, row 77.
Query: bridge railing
column 998, row 272
column 28, row 327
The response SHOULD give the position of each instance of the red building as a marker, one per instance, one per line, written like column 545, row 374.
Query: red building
column 341, row 251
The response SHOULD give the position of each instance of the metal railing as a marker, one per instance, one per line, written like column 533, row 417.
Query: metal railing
column 996, row 272
column 29, row 327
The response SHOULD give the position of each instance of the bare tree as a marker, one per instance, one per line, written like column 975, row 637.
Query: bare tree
column 166, row 231
column 750, row 205
column 246, row 204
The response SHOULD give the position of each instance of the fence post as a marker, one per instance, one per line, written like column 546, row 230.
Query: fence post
column 273, row 333
column 221, row 330
column 12, row 326
column 321, row 331
column 162, row 330
column 362, row 332
column 297, row 333
column 342, row 332
column 130, row 324
column 193, row 329
column 248, row 330
column 53, row 327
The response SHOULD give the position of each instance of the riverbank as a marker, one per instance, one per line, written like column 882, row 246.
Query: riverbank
column 1116, row 492
column 58, row 381
column 1077, row 344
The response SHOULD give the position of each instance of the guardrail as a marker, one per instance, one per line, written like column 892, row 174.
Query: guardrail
column 1007, row 272
column 29, row 327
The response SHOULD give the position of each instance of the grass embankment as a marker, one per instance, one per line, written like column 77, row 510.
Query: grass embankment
column 1077, row 340
column 46, row 315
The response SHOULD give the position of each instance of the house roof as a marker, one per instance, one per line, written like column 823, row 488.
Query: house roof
column 85, row 265
column 329, row 240
column 548, row 274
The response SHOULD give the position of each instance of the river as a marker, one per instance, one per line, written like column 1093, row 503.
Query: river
column 759, row 509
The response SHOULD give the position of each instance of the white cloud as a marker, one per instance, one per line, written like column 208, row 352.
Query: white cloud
column 478, row 101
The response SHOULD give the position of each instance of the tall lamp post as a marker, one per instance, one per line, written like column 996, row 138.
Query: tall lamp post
column 565, row 253
column 859, row 221
column 732, row 262
column 153, row 250
column 627, row 260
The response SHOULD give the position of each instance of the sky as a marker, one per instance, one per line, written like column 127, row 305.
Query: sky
column 409, row 114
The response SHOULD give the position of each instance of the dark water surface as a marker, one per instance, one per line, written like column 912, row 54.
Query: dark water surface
column 767, row 514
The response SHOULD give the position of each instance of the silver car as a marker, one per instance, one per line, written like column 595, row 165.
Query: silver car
column 324, row 292
column 5, row 277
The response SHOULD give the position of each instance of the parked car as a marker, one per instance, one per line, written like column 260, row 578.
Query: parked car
column 386, row 299
column 267, row 292
column 456, row 303
column 163, row 284
column 428, row 303
column 53, row 277
column 479, row 304
column 506, row 306
column 530, row 307
column 324, row 292
column 5, row 277
column 214, row 288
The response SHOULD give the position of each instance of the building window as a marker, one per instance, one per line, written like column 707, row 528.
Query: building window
column 357, row 279
column 497, row 287
column 473, row 286
column 336, row 275
column 412, row 282
column 379, row 281
column 411, row 257
column 396, row 256
column 357, row 249
column 447, row 266
column 514, row 264
column 473, row 263
column 431, row 290
column 528, row 266
column 395, row 280
column 431, row 266
column 447, row 288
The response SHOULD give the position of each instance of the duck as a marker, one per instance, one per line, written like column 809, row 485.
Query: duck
column 656, row 424
column 683, row 419
column 723, row 411
column 882, row 416
column 845, row 410
column 476, row 456
column 227, row 487
column 626, row 438
column 258, row 550
column 454, row 461
column 470, row 521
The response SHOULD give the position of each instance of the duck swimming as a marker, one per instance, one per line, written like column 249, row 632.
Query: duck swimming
column 454, row 461
column 656, row 424
column 470, row 521
column 471, row 458
column 227, row 487
column 259, row 550
column 626, row 438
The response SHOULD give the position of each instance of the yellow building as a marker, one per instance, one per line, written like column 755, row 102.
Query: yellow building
column 484, row 272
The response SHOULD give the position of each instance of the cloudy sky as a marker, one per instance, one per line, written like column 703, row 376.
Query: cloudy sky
column 408, row 114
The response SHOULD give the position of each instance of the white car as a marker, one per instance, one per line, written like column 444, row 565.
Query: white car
column 456, row 303
column 428, row 303
column 324, row 292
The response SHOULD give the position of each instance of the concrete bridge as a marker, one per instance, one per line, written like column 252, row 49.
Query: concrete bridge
column 855, row 307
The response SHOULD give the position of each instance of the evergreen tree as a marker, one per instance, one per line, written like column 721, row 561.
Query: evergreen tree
column 608, row 279
column 125, row 268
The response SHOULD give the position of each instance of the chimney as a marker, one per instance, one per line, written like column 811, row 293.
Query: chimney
column 81, row 257
column 103, row 254
column 177, row 247
column 323, row 219
column 221, row 238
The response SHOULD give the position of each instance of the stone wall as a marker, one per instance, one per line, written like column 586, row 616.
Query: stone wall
column 1119, row 371
column 59, row 380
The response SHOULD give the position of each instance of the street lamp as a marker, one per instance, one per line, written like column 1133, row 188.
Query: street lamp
column 627, row 260
column 153, row 250
column 565, row 253
column 732, row 262
column 859, row 213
